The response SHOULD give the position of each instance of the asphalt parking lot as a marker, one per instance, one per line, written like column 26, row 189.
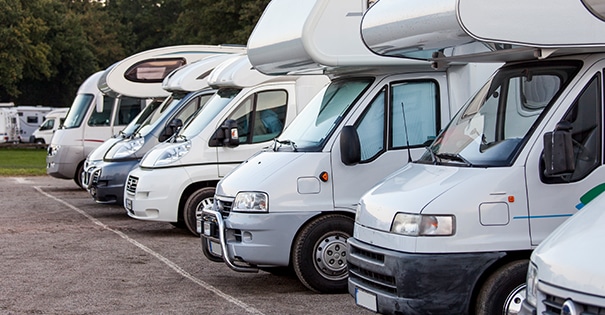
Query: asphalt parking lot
column 61, row 253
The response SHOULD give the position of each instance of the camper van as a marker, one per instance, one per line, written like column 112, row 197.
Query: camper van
column 107, row 166
column 247, row 112
column 52, row 121
column 9, row 123
column 30, row 118
column 109, row 100
column 294, row 203
column 565, row 274
column 452, row 232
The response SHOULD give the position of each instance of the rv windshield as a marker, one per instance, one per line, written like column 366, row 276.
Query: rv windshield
column 207, row 113
column 323, row 113
column 492, row 127
column 150, row 111
column 78, row 111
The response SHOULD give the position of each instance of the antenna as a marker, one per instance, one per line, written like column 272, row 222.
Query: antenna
column 405, row 127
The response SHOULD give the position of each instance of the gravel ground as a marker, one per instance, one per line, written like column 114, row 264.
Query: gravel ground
column 61, row 253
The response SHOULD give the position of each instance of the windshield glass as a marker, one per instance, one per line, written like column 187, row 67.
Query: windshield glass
column 205, row 114
column 323, row 113
column 491, row 129
column 77, row 111
column 149, row 111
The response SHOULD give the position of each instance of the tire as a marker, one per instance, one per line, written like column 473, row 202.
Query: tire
column 78, row 175
column 504, row 290
column 194, row 205
column 319, row 253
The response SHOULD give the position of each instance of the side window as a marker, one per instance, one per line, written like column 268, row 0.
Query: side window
column 48, row 125
column 102, row 118
column 371, row 128
column 261, row 117
column 128, row 109
column 32, row 119
column 585, row 117
column 414, row 113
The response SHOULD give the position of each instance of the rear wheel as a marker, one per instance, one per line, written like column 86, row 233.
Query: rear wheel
column 320, row 253
column 504, row 291
column 195, row 204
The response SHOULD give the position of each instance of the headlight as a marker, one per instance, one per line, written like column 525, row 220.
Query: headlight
column 531, row 294
column 423, row 225
column 124, row 149
column 173, row 153
column 251, row 202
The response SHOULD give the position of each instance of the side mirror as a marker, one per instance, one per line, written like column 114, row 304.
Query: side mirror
column 226, row 135
column 350, row 147
column 558, row 151
column 99, row 102
column 171, row 129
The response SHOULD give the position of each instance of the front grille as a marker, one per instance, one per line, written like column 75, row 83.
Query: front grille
column 382, row 282
column 553, row 305
column 223, row 204
column 93, row 177
column 131, row 184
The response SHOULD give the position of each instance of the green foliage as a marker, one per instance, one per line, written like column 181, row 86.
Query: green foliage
column 22, row 162
column 49, row 47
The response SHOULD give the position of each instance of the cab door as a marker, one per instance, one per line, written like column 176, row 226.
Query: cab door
column 261, row 116
column 400, row 118
column 553, row 199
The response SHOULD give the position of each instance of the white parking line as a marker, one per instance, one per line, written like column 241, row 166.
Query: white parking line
column 163, row 259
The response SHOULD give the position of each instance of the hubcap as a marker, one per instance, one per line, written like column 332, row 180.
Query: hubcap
column 205, row 203
column 331, row 256
column 512, row 306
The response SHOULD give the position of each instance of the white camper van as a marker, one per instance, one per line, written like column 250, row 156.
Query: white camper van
column 108, row 165
column 127, row 86
column 9, row 123
column 293, row 204
column 53, row 120
column 176, row 178
column 30, row 118
column 452, row 232
column 566, row 274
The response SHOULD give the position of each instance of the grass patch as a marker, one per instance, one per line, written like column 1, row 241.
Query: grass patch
column 22, row 161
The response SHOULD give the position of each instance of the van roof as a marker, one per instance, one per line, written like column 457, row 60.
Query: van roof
column 141, row 74
column 497, row 31
column 238, row 72
column 294, row 36
column 193, row 76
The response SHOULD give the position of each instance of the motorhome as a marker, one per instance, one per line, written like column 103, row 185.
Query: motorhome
column 246, row 113
column 30, row 118
column 9, row 123
column 452, row 232
column 108, row 100
column 51, row 123
column 294, row 203
column 107, row 166
column 565, row 275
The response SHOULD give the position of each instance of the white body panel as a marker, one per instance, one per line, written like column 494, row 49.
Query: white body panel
column 52, row 122
column 299, row 36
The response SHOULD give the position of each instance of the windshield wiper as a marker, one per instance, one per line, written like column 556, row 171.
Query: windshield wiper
column 454, row 157
column 278, row 143
column 433, row 157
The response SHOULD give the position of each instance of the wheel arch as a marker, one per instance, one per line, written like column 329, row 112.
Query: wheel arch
column 311, row 219
column 509, row 257
column 189, row 190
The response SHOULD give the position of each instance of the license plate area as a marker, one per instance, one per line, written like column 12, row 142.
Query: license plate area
column 215, row 248
column 366, row 299
column 128, row 204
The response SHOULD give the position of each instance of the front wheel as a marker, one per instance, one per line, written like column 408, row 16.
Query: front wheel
column 504, row 291
column 320, row 253
column 78, row 175
column 195, row 204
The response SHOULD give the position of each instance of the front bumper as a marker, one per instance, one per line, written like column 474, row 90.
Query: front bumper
column 64, row 163
column 246, row 241
column 154, row 194
column 396, row 282
column 105, row 180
